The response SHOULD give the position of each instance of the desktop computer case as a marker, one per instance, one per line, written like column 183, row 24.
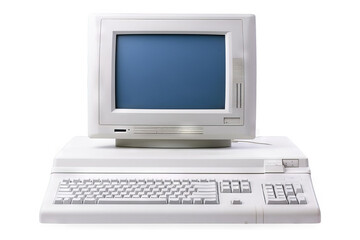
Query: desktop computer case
column 264, row 159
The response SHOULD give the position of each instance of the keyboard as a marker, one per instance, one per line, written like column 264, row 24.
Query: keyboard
column 168, row 191
column 180, row 198
column 150, row 191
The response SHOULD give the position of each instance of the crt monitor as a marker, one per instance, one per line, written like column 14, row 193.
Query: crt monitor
column 172, row 80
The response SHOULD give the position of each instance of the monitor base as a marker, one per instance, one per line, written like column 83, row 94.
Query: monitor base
column 156, row 143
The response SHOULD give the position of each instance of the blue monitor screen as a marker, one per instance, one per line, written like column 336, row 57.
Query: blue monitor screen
column 170, row 71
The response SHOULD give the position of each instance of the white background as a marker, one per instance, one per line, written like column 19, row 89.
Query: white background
column 308, row 89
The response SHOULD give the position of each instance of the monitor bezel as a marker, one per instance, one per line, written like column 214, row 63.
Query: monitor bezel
column 111, row 28
column 239, row 31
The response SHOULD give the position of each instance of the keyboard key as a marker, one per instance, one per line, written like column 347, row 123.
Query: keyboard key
column 277, row 201
column 67, row 200
column 225, row 189
column 174, row 201
column 207, row 190
column 236, row 202
column 245, row 186
column 65, row 190
column 292, row 200
column 187, row 201
column 58, row 201
column 298, row 188
column 89, row 201
column 302, row 200
column 76, row 201
column 289, row 192
column 132, row 201
column 210, row 201
column 203, row 196
column 66, row 196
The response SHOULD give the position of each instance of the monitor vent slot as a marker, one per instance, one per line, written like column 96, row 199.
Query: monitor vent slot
column 168, row 130
column 238, row 95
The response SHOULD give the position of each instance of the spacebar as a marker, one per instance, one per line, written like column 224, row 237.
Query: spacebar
column 132, row 201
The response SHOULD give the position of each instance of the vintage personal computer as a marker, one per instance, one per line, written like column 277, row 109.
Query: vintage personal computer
column 172, row 112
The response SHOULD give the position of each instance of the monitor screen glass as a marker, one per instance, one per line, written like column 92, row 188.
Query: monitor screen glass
column 170, row 71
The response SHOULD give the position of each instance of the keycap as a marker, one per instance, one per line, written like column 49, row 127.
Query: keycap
column 292, row 200
column 298, row 188
column 204, row 185
column 65, row 196
column 225, row 189
column 235, row 186
column 276, row 201
column 301, row 199
column 187, row 201
column 245, row 186
column 67, row 200
column 76, row 201
column 64, row 190
column 58, row 201
column 210, row 201
column 89, row 201
column 195, row 195
column 132, row 201
column 207, row 190
column 174, row 201
column 236, row 202
column 289, row 192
